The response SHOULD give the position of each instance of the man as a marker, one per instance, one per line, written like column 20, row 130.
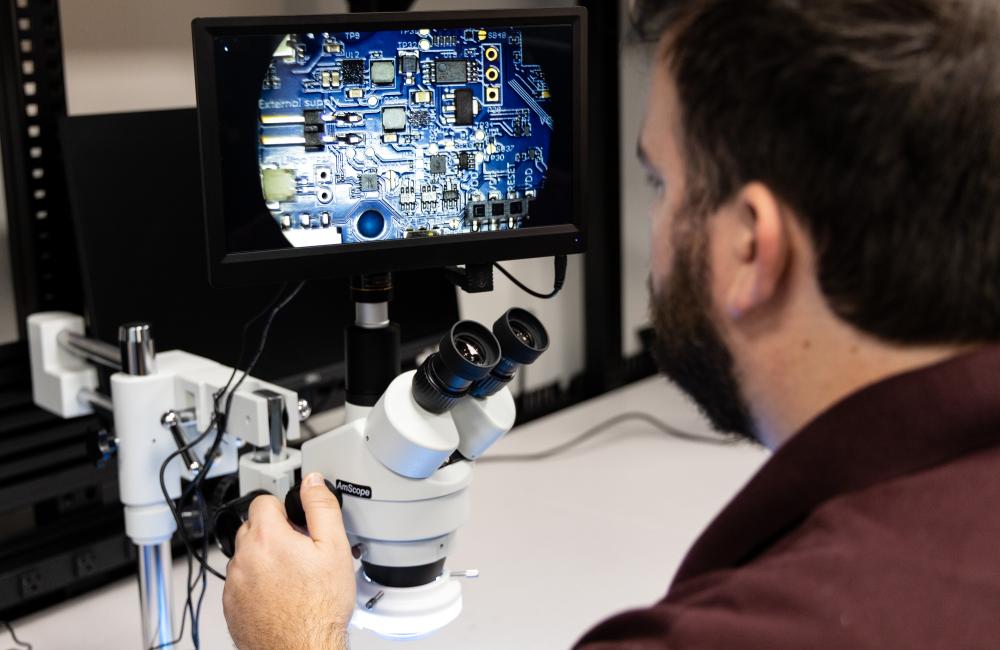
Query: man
column 826, row 280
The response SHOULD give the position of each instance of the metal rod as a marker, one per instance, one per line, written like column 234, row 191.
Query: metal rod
column 374, row 600
column 138, row 356
column 175, row 422
column 277, row 440
column 99, row 352
column 154, row 594
column 92, row 397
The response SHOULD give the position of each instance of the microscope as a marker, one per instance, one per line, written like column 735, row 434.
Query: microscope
column 401, row 466
column 404, row 468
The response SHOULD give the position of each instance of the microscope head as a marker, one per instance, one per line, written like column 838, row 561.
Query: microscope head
column 409, row 429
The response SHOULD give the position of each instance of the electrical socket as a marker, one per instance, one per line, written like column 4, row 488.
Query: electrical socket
column 85, row 563
column 31, row 583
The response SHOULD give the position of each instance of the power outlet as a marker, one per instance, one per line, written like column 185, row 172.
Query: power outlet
column 31, row 583
column 85, row 563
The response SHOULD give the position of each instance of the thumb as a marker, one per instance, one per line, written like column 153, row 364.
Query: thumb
column 323, row 517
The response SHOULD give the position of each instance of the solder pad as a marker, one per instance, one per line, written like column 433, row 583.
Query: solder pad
column 401, row 134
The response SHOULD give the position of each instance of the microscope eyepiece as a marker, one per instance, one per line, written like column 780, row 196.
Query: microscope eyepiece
column 466, row 354
column 522, row 339
column 470, row 349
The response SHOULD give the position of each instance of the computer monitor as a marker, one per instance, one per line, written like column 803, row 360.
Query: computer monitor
column 357, row 143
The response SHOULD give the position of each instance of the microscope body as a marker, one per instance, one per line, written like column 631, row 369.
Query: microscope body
column 404, row 474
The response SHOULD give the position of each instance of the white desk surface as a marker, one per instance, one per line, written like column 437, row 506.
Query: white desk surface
column 561, row 543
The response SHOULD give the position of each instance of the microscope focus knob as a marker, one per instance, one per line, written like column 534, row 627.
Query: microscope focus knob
column 293, row 503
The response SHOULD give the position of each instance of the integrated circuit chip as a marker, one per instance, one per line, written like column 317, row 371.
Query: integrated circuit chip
column 451, row 71
column 420, row 119
column 464, row 111
column 383, row 72
column 465, row 160
column 369, row 182
column 408, row 63
column 352, row 71
column 393, row 118
column 439, row 165
column 312, row 130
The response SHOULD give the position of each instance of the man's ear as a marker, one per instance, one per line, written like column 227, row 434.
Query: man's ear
column 760, row 250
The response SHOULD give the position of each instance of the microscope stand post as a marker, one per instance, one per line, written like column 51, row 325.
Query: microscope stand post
column 138, row 357
column 155, row 593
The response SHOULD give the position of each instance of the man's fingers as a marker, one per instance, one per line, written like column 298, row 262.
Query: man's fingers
column 323, row 517
column 241, row 532
column 265, row 510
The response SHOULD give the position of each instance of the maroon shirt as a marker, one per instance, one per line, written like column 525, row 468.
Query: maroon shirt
column 877, row 526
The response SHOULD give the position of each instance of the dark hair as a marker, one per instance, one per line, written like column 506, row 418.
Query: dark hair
column 877, row 122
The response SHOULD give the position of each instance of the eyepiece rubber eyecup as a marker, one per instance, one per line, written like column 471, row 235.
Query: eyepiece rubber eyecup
column 467, row 353
column 512, row 345
column 469, row 350
column 522, row 339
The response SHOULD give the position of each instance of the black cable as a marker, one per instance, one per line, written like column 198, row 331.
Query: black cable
column 222, row 424
column 604, row 426
column 187, row 608
column 196, row 614
column 218, row 420
column 203, row 561
column 557, row 283
column 19, row 642
column 272, row 309
column 246, row 330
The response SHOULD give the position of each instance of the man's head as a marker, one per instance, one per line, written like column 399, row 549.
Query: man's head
column 823, row 168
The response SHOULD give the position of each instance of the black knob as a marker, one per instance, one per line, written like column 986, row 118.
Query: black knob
column 293, row 503
column 229, row 516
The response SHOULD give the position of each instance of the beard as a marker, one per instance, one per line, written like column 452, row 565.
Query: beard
column 689, row 349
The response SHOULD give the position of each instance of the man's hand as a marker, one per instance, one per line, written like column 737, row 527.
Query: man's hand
column 285, row 590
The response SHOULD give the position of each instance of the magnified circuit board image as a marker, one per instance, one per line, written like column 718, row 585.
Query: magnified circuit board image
column 401, row 134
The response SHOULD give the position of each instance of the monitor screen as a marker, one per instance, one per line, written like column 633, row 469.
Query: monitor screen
column 349, row 144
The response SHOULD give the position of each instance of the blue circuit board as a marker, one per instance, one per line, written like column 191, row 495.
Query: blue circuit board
column 401, row 134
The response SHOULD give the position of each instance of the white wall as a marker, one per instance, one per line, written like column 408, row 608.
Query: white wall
column 123, row 55
column 636, row 194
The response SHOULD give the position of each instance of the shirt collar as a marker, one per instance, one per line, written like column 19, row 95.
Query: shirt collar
column 902, row 424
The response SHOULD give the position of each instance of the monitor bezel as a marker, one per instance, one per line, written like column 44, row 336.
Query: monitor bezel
column 241, row 268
